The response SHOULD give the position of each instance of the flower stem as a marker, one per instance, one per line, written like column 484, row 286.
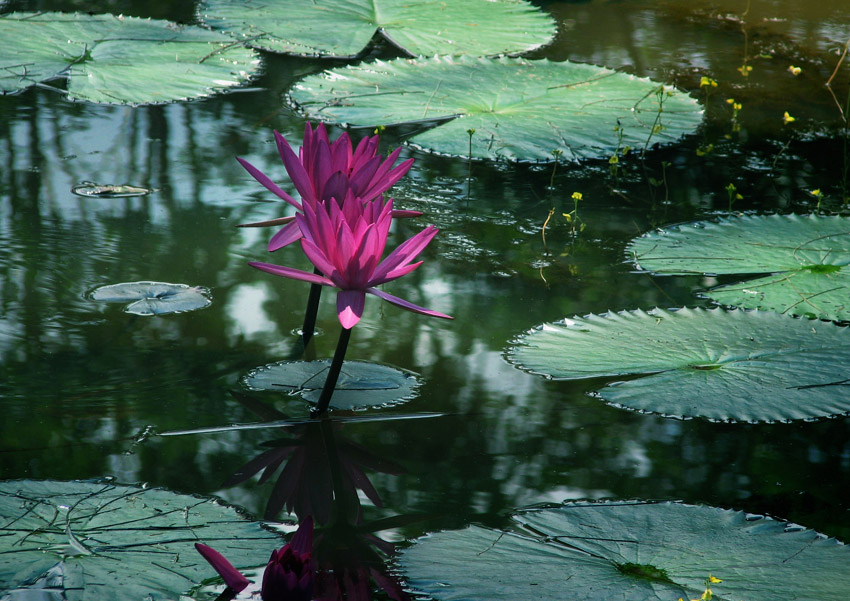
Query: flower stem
column 309, row 326
column 333, row 373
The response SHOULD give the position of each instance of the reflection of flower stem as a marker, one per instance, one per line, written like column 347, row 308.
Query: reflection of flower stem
column 333, row 373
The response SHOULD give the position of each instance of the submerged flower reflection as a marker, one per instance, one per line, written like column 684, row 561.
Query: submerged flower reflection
column 289, row 575
column 323, row 170
column 345, row 242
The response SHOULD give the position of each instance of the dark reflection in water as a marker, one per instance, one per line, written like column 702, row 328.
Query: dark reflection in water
column 84, row 386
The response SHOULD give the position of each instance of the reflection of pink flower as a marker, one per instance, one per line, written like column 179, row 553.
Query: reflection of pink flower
column 345, row 242
column 323, row 170
column 289, row 575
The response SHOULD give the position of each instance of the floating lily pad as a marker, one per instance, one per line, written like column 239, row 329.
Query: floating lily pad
column 153, row 298
column 477, row 27
column 89, row 541
column 93, row 189
column 630, row 551
column 807, row 255
column 722, row 365
column 519, row 109
column 119, row 60
column 361, row 384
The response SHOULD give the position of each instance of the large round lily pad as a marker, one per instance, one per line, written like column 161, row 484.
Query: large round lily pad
column 343, row 28
column 519, row 109
column 630, row 551
column 119, row 60
column 91, row 541
column 153, row 298
column 723, row 365
column 808, row 256
column 361, row 384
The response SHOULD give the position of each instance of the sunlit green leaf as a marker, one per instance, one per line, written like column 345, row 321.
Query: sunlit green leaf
column 343, row 28
column 153, row 298
column 807, row 255
column 99, row 541
column 722, row 365
column 119, row 60
column 361, row 384
column 518, row 109
column 630, row 551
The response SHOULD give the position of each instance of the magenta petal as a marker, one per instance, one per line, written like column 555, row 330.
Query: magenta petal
column 302, row 541
column 406, row 252
column 231, row 576
column 349, row 306
column 295, row 169
column 406, row 304
column 295, row 274
column 285, row 236
column 267, row 182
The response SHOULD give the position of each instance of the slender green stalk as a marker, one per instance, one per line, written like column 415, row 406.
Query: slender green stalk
column 333, row 373
column 309, row 327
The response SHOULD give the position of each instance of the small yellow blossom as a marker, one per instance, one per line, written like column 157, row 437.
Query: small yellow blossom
column 787, row 118
column 737, row 106
column 795, row 70
column 707, row 82
column 714, row 580
column 577, row 196
column 745, row 70
column 730, row 101
column 816, row 193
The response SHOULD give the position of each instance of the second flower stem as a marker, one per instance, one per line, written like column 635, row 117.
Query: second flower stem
column 333, row 373
column 309, row 326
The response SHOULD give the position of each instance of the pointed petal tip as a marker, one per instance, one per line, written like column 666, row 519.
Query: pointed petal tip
column 231, row 576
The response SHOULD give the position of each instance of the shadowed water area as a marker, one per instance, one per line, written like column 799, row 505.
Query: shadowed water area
column 86, row 389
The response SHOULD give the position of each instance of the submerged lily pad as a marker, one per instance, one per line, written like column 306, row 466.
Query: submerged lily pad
column 119, row 60
column 722, row 365
column 518, row 109
column 478, row 27
column 630, row 551
column 87, row 540
column 361, row 384
column 808, row 256
column 153, row 298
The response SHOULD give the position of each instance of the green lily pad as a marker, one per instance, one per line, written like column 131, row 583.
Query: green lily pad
column 119, row 60
column 808, row 256
column 477, row 27
column 630, row 551
column 518, row 109
column 361, row 384
column 753, row 366
column 89, row 541
column 153, row 298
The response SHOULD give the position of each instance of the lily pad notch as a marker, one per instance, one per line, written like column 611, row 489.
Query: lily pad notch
column 517, row 109
column 421, row 28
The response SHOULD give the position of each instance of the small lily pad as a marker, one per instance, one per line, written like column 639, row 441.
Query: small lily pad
column 753, row 366
column 93, row 189
column 518, row 110
column 361, row 384
column 119, row 60
column 807, row 255
column 630, row 551
column 153, row 298
column 476, row 27
column 88, row 540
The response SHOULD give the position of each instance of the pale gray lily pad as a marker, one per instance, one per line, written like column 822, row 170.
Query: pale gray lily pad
column 630, row 551
column 153, row 298
column 343, row 28
column 95, row 190
column 753, row 366
column 361, row 384
column 119, row 60
column 808, row 256
column 88, row 541
column 520, row 110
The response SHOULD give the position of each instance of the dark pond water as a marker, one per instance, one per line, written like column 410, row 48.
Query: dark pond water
column 86, row 387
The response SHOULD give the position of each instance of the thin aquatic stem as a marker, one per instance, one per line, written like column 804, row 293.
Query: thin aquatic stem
column 333, row 373
column 309, row 327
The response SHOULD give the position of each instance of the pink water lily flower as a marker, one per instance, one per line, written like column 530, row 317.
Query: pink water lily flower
column 323, row 170
column 345, row 242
